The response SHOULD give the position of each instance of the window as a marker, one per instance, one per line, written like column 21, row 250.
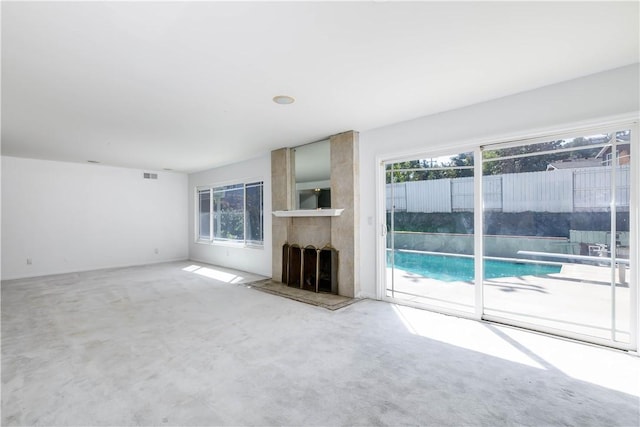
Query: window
column 253, row 214
column 232, row 213
column 204, row 206
column 228, row 213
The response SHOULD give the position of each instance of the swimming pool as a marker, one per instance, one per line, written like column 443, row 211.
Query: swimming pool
column 451, row 268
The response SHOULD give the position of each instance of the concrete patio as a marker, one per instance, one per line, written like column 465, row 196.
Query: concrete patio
column 578, row 299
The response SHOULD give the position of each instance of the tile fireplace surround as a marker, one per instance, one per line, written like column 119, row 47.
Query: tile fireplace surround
column 340, row 231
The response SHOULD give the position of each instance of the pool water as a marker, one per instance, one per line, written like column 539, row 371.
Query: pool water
column 453, row 269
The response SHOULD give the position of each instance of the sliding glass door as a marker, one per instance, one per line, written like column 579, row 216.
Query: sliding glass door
column 550, row 247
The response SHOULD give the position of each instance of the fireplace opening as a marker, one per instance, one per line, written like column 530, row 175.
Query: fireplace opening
column 310, row 268
column 294, row 265
column 328, row 271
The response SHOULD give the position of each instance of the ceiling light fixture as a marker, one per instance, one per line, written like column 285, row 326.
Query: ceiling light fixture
column 283, row 99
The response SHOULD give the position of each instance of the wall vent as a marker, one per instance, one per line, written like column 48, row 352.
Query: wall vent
column 147, row 175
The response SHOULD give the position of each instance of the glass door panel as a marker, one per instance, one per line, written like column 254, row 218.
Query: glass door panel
column 429, row 242
column 556, row 239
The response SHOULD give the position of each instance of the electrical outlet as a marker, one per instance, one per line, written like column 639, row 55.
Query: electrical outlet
column 29, row 261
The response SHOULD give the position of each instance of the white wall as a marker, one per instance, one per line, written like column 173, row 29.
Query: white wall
column 253, row 260
column 552, row 108
column 70, row 217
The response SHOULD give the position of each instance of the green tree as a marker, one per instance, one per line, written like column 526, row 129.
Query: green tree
column 405, row 171
column 430, row 169
column 519, row 159
column 523, row 158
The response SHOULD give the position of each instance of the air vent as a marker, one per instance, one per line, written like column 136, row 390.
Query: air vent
column 147, row 175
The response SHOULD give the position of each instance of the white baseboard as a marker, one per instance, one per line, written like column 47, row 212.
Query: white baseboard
column 93, row 268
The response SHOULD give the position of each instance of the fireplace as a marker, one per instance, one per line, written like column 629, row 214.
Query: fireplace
column 337, row 228
column 310, row 268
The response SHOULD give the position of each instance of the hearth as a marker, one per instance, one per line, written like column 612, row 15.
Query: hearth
column 310, row 268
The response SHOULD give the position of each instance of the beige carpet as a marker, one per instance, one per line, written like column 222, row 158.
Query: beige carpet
column 190, row 344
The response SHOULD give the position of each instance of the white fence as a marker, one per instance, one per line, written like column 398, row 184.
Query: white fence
column 565, row 190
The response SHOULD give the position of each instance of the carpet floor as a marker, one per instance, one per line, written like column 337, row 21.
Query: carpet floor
column 191, row 344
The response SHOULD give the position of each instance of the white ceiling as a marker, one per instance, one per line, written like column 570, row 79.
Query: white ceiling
column 188, row 86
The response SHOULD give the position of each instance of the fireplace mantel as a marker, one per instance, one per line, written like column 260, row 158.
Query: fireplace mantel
column 308, row 212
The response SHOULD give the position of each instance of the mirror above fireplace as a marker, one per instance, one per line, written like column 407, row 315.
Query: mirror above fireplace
column 312, row 173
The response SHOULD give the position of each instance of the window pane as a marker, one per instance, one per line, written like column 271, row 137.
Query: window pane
column 228, row 217
column 254, row 213
column 204, row 229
